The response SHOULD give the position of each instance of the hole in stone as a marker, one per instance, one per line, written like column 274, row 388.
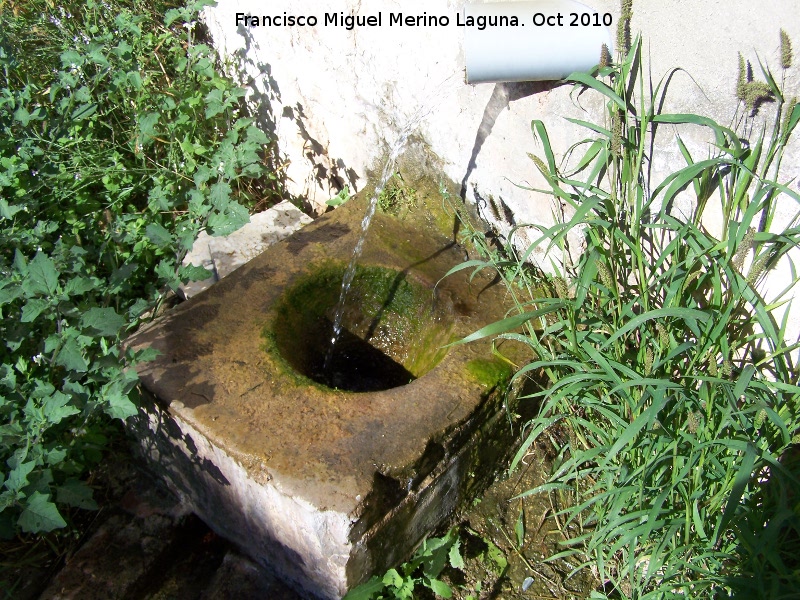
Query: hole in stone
column 393, row 328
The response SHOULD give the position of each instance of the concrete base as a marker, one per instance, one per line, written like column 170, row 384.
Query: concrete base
column 324, row 486
column 224, row 254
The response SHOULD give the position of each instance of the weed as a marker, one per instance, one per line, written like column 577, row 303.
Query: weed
column 426, row 568
column 423, row 569
column 396, row 196
column 119, row 143
column 340, row 198
column 668, row 377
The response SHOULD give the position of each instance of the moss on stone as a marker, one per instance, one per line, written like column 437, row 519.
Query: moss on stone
column 490, row 372
column 385, row 308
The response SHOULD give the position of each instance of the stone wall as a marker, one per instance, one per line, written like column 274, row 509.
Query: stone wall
column 337, row 98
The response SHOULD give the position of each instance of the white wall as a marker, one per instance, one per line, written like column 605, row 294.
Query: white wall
column 338, row 98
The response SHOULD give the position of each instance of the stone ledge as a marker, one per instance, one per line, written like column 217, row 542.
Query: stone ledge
column 223, row 255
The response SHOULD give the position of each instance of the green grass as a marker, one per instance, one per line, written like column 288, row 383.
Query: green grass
column 671, row 396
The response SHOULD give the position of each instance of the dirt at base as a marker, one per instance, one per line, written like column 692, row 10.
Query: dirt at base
column 500, row 519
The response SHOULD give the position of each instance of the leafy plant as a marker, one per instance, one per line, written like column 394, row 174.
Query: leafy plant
column 423, row 569
column 396, row 196
column 119, row 143
column 666, row 385
column 340, row 198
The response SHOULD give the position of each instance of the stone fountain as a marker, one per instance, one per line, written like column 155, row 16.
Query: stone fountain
column 327, row 476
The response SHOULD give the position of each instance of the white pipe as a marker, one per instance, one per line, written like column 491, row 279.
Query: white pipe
column 538, row 48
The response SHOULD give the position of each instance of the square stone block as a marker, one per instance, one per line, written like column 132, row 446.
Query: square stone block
column 325, row 485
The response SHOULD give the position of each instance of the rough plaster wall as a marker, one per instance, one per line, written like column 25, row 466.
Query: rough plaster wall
column 339, row 98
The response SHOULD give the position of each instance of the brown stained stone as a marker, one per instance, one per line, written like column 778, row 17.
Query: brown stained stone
column 324, row 485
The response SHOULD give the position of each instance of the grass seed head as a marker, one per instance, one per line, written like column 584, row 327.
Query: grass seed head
column 786, row 50
column 624, row 26
column 758, row 268
column 605, row 56
column 744, row 247
column 616, row 133
column 741, row 80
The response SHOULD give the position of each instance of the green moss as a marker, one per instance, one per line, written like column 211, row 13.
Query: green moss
column 384, row 308
column 289, row 375
column 490, row 372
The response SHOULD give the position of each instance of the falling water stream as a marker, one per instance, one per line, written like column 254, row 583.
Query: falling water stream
column 388, row 170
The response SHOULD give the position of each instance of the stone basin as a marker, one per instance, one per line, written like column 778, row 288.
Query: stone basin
column 327, row 486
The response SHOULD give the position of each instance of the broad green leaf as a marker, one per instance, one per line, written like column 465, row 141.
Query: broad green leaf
column 158, row 235
column 79, row 285
column 146, row 355
column 84, row 111
column 33, row 308
column 440, row 588
column 20, row 262
column 496, row 556
column 255, row 134
column 102, row 321
column 438, row 556
column 76, row 493
column 56, row 408
column 119, row 406
column 56, row 456
column 201, row 176
column 40, row 515
column 135, row 79
column 220, row 195
column 456, row 560
column 70, row 58
column 232, row 218
column 70, row 356
column 171, row 16
column 366, row 591
column 119, row 277
column 42, row 276
column 392, row 577
column 214, row 103
column 18, row 477
column 147, row 128
column 9, row 292
column 7, row 211
column 23, row 116
column 194, row 273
